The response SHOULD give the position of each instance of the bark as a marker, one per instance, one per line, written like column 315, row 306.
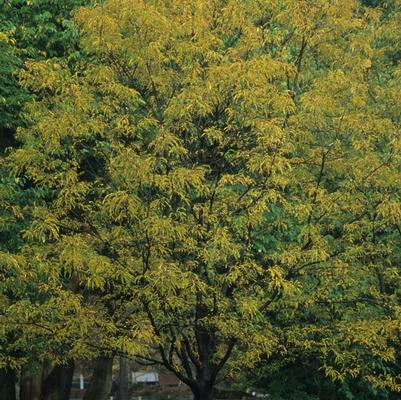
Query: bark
column 57, row 385
column 100, row 384
column 202, row 391
column 30, row 385
column 124, row 378
column 7, row 384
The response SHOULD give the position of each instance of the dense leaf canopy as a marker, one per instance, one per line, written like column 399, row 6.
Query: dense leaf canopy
column 213, row 180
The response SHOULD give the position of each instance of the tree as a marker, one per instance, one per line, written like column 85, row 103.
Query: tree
column 38, row 30
column 211, row 173
column 310, row 112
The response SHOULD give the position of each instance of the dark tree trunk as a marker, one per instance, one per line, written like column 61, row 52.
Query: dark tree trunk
column 100, row 384
column 30, row 385
column 66, row 377
column 57, row 385
column 124, row 378
column 202, row 391
column 7, row 384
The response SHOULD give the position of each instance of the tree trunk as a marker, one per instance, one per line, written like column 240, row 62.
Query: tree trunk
column 124, row 378
column 57, row 385
column 7, row 384
column 202, row 391
column 100, row 384
column 30, row 385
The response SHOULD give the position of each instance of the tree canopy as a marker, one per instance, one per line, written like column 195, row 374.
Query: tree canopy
column 215, row 181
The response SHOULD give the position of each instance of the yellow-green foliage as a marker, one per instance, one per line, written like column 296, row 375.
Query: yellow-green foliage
column 222, row 178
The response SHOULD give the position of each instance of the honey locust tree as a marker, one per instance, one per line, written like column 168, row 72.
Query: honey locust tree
column 211, row 174
column 268, row 105
column 130, row 213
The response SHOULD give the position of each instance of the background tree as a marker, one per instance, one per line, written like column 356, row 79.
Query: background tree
column 28, row 30
column 31, row 30
column 76, row 277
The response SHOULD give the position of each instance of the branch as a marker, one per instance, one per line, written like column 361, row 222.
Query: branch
column 185, row 362
column 225, row 358
column 167, row 362
column 191, row 354
column 151, row 361
column 299, row 61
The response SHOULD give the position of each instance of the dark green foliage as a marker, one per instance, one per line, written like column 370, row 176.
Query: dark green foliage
column 302, row 379
column 12, row 97
column 376, row 3
column 38, row 29
column 43, row 28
